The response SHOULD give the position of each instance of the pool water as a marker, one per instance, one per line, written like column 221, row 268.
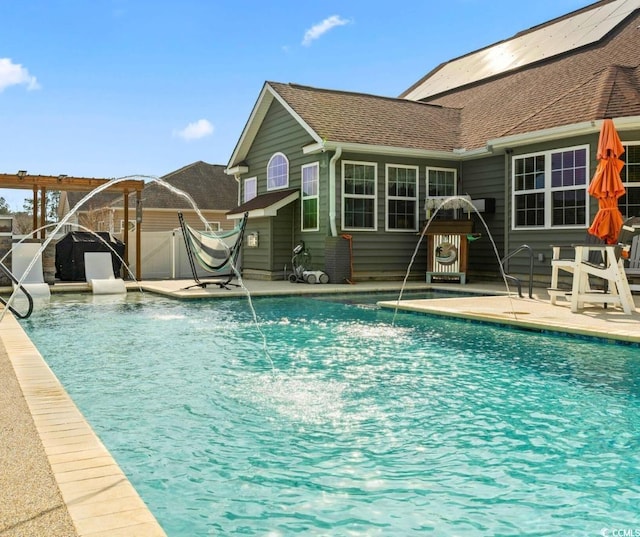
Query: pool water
column 349, row 424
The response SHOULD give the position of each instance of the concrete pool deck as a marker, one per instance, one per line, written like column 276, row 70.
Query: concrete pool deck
column 58, row 479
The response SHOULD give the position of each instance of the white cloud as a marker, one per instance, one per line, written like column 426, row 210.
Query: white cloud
column 196, row 130
column 322, row 28
column 13, row 74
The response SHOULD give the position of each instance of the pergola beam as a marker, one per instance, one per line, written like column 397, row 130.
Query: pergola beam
column 68, row 184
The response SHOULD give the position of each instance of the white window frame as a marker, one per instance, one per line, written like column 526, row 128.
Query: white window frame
column 271, row 179
column 248, row 181
column 373, row 196
column 623, row 173
column 548, row 190
column 439, row 169
column 414, row 199
column 307, row 197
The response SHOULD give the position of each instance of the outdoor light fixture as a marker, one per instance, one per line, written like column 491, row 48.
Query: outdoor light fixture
column 252, row 240
column 22, row 173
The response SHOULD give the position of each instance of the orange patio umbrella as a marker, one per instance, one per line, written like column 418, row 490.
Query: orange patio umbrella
column 607, row 186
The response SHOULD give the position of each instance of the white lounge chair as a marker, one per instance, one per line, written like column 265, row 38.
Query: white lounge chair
column 99, row 274
column 22, row 254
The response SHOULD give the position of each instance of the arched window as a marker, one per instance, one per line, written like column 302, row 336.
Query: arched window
column 277, row 172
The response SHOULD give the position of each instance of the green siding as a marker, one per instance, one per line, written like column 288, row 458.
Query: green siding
column 381, row 254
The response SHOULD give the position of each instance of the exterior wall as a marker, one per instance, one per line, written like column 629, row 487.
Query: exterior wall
column 278, row 235
column 485, row 178
column 380, row 254
column 387, row 255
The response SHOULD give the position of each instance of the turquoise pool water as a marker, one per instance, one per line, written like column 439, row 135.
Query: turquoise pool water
column 425, row 427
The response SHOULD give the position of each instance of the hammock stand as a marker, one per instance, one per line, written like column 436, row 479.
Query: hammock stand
column 208, row 249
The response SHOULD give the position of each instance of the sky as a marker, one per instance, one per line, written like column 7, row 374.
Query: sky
column 114, row 88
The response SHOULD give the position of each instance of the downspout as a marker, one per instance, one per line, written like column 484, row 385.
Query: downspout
column 332, row 191
column 508, row 212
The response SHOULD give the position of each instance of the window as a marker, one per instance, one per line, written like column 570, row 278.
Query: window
column 630, row 203
column 402, row 198
column 250, row 189
column 441, row 183
column 359, row 181
column 550, row 189
column 277, row 172
column 310, row 213
column 215, row 226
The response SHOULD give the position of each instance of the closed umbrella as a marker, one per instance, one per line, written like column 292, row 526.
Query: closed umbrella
column 607, row 186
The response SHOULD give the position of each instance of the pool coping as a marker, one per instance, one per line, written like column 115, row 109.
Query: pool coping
column 98, row 496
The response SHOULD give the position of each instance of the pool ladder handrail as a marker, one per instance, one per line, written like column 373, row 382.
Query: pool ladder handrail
column 10, row 275
column 517, row 280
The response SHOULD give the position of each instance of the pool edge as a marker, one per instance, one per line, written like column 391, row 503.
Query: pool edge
column 98, row 496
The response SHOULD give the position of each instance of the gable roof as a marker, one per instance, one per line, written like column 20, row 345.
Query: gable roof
column 559, row 36
column 334, row 117
column 576, row 89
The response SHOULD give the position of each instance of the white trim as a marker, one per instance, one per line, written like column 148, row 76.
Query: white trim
column 244, row 188
column 278, row 187
column 374, row 196
column 237, row 170
column 315, row 165
column 441, row 169
column 415, row 198
column 548, row 189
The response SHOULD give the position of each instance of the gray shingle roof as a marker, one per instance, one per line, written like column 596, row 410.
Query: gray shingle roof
column 343, row 117
column 207, row 184
column 598, row 81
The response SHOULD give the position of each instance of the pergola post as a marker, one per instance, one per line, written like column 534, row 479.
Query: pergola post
column 35, row 211
column 43, row 211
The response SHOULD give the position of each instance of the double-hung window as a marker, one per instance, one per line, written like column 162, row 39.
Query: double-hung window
column 630, row 203
column 310, row 212
column 402, row 198
column 359, row 189
column 442, row 183
column 250, row 190
column 277, row 172
column 550, row 189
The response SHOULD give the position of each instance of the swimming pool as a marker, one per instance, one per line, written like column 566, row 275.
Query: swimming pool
column 360, row 427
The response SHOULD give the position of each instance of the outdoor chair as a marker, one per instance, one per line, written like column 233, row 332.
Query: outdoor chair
column 22, row 254
column 610, row 269
column 564, row 259
column 98, row 267
column 632, row 264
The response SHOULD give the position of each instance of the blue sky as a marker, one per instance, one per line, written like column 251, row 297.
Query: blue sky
column 110, row 88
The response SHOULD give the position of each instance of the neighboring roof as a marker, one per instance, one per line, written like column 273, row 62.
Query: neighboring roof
column 564, row 34
column 97, row 201
column 266, row 204
column 207, row 184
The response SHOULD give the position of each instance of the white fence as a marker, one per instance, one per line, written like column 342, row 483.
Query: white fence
column 163, row 256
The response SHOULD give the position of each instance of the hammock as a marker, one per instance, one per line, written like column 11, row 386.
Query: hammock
column 214, row 252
